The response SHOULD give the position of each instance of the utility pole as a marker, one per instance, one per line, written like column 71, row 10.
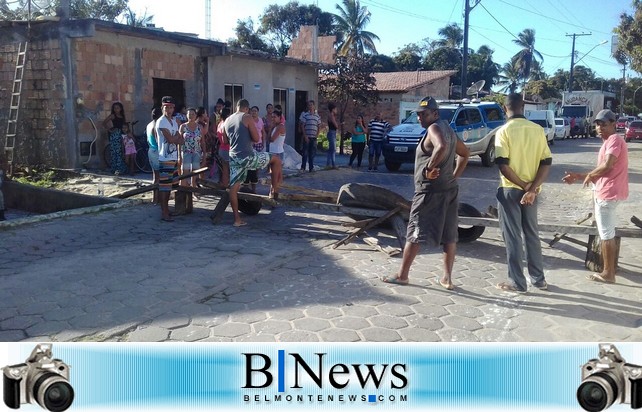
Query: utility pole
column 464, row 65
column 623, row 85
column 570, row 78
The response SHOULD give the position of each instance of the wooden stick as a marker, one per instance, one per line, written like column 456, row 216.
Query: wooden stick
column 374, row 223
column 559, row 236
column 373, row 241
column 133, row 192
column 324, row 193
column 358, row 223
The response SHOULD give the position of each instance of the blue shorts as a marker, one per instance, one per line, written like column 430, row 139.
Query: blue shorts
column 152, row 154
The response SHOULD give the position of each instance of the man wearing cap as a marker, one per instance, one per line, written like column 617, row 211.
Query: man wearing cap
column 524, row 160
column 168, row 137
column 610, row 181
column 433, row 215
column 240, row 131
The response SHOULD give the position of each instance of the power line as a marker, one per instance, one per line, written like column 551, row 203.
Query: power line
column 498, row 22
column 453, row 10
column 548, row 17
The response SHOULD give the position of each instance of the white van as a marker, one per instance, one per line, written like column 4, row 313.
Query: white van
column 546, row 119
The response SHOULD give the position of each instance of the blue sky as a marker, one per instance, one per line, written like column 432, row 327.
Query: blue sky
column 399, row 22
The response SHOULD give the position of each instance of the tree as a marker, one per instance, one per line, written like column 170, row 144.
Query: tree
column 542, row 88
column 108, row 10
column 452, row 36
column 350, row 23
column 136, row 20
column 630, row 38
column 509, row 77
column 281, row 24
column 524, row 58
column 350, row 81
column 381, row 63
column 248, row 38
column 408, row 58
column 482, row 67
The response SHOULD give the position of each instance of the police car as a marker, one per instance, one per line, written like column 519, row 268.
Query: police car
column 474, row 122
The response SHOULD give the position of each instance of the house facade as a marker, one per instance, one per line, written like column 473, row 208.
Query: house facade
column 76, row 69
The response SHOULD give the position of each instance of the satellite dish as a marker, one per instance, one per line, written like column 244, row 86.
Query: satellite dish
column 475, row 88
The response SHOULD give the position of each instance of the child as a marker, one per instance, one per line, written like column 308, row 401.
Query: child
column 129, row 146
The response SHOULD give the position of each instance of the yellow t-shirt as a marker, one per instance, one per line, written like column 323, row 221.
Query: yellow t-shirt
column 524, row 144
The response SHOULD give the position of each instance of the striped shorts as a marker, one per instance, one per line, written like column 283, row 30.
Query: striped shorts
column 168, row 172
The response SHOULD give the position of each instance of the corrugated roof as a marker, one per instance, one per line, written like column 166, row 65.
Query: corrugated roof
column 405, row 81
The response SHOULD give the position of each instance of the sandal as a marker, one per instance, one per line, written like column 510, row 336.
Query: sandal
column 395, row 280
column 507, row 287
column 444, row 285
column 596, row 277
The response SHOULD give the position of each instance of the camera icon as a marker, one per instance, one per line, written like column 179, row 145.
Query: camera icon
column 41, row 379
column 609, row 379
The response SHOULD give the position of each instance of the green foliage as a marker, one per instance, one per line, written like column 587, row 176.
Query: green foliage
column 350, row 80
column 630, row 38
column 281, row 24
column 525, row 57
column 132, row 18
column 543, row 89
column 444, row 59
column 350, row 23
column 381, row 63
column 108, row 10
column 39, row 178
column 482, row 67
column 452, row 36
column 248, row 38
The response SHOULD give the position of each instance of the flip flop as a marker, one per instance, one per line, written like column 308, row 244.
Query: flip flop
column 596, row 277
column 395, row 280
column 444, row 285
column 242, row 223
column 507, row 287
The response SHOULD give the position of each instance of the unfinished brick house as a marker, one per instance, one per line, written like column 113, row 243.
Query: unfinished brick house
column 76, row 69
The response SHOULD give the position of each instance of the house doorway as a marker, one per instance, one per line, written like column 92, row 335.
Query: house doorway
column 300, row 106
column 168, row 87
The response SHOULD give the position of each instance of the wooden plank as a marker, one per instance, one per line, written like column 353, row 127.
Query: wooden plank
column 219, row 210
column 554, row 228
column 305, row 197
column 317, row 192
column 559, row 236
column 134, row 192
column 358, row 223
column 374, row 223
column 219, row 192
column 331, row 207
column 388, row 250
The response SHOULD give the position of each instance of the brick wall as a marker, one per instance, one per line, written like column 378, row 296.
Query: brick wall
column 41, row 128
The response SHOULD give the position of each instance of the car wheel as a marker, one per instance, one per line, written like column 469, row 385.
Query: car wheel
column 488, row 158
column 392, row 166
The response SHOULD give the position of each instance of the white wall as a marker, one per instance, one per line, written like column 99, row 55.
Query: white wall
column 259, row 78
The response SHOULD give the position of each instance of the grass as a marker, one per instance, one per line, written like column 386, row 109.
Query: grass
column 39, row 178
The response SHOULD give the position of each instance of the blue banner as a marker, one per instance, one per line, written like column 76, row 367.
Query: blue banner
column 320, row 376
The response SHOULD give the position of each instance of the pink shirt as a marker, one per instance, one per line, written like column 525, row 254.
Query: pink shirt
column 614, row 185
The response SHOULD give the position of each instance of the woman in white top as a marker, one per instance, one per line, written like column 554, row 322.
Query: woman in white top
column 277, row 140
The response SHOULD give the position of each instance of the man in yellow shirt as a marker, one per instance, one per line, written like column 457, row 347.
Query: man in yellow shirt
column 524, row 160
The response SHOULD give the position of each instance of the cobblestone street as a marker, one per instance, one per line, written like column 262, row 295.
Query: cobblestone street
column 123, row 275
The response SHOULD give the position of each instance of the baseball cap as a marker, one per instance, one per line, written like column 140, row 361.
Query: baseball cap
column 167, row 100
column 427, row 103
column 605, row 116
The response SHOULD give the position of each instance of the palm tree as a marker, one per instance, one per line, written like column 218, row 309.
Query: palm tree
column 132, row 19
column 350, row 24
column 525, row 57
column 509, row 77
column 452, row 36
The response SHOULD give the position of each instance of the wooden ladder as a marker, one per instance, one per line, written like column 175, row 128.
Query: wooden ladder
column 14, row 105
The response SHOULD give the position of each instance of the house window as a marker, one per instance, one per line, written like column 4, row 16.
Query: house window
column 280, row 96
column 233, row 93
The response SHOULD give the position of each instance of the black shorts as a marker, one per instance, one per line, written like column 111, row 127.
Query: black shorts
column 252, row 176
column 433, row 218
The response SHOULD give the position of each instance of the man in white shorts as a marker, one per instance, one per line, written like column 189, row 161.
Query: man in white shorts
column 610, row 180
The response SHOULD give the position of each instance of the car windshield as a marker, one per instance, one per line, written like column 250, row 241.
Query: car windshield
column 559, row 122
column 540, row 122
column 637, row 124
column 622, row 120
column 446, row 114
column 574, row 111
